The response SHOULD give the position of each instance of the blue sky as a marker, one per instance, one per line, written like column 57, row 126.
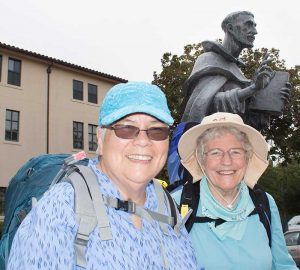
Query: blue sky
column 128, row 38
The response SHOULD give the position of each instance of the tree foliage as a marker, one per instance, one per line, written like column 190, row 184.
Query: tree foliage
column 283, row 133
column 283, row 182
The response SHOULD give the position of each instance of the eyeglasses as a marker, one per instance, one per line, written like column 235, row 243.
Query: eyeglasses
column 218, row 154
column 131, row 132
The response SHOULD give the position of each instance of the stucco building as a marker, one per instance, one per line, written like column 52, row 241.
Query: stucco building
column 46, row 106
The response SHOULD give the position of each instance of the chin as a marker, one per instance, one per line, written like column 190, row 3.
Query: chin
column 248, row 45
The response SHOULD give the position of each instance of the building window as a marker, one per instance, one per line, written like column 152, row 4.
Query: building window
column 0, row 66
column 77, row 135
column 12, row 125
column 92, row 93
column 14, row 72
column 92, row 137
column 77, row 90
column 2, row 200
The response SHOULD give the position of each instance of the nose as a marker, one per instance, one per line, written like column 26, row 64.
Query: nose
column 142, row 138
column 254, row 31
column 226, row 159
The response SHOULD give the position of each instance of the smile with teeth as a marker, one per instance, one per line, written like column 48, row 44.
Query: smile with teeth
column 226, row 172
column 140, row 157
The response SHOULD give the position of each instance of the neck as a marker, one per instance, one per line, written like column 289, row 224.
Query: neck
column 133, row 191
column 232, row 46
column 226, row 198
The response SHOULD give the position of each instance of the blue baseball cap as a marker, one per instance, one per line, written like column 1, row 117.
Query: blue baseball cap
column 134, row 97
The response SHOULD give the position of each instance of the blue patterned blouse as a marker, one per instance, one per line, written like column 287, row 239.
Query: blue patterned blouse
column 46, row 236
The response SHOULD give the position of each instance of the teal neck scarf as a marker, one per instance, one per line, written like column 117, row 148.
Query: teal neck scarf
column 236, row 217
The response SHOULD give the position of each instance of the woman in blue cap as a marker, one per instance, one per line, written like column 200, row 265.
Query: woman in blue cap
column 133, row 143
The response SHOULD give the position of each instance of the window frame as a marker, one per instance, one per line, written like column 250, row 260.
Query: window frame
column 13, row 76
column 76, row 135
column 1, row 60
column 92, row 97
column 79, row 95
column 11, row 125
column 92, row 137
column 2, row 200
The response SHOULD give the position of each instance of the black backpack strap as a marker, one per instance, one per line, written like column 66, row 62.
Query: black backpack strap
column 175, row 185
column 190, row 196
column 262, row 208
column 218, row 221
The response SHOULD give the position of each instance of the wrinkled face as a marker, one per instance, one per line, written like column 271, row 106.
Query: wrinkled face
column 244, row 30
column 224, row 173
column 136, row 160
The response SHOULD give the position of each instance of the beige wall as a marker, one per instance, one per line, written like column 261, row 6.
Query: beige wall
column 31, row 100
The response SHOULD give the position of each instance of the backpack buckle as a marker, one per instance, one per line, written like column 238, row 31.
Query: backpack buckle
column 127, row 206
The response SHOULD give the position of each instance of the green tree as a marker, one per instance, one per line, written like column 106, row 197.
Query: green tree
column 283, row 183
column 175, row 70
column 283, row 133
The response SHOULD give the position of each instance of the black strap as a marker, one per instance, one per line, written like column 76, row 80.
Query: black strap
column 218, row 221
column 262, row 206
column 190, row 196
column 175, row 185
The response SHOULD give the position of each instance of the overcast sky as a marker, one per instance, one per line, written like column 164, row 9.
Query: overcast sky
column 127, row 38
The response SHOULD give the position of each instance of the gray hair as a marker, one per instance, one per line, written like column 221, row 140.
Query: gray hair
column 230, row 18
column 217, row 132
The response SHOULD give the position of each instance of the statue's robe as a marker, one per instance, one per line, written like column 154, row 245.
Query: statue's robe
column 213, row 86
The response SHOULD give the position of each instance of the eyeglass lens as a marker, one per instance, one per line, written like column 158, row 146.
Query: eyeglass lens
column 234, row 153
column 130, row 132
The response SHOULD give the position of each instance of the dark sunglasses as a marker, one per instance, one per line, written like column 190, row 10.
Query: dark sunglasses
column 131, row 132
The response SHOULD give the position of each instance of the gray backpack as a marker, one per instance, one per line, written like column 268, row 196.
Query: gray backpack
column 90, row 208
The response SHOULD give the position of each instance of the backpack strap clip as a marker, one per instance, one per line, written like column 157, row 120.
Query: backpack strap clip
column 127, row 206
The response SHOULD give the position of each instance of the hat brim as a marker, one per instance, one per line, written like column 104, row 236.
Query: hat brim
column 122, row 112
column 256, row 165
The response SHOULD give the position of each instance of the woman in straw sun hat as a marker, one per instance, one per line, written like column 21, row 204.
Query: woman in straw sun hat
column 229, row 157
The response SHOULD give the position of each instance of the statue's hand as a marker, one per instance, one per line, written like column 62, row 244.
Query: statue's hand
column 285, row 92
column 263, row 74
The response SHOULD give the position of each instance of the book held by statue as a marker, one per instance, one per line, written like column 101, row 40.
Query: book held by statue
column 270, row 99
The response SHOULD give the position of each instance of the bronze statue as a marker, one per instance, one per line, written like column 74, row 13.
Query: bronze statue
column 217, row 83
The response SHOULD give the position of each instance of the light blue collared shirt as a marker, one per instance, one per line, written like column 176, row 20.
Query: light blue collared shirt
column 251, row 252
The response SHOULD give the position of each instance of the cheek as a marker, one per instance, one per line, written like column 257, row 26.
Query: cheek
column 160, row 154
column 242, row 164
column 161, row 151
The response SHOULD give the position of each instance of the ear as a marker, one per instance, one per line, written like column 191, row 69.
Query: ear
column 229, row 28
column 100, row 140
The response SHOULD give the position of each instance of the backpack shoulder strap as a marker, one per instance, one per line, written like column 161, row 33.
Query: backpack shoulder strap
column 89, row 209
column 190, row 197
column 262, row 207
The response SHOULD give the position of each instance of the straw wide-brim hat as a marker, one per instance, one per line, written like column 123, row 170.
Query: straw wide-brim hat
column 257, row 163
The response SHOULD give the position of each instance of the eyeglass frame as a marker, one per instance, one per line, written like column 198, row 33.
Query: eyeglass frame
column 138, row 130
column 222, row 153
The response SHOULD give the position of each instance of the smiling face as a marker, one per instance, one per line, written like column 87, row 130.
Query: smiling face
column 136, row 161
column 224, row 173
column 243, row 30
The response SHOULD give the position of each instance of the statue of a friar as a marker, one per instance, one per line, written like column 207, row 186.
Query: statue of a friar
column 218, row 84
